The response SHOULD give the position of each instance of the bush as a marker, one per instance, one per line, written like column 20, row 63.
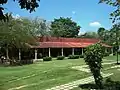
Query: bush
column 60, row 57
column 73, row 56
column 93, row 57
column 47, row 58
column 81, row 56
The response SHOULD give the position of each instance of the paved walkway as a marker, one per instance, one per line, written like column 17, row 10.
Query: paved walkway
column 74, row 84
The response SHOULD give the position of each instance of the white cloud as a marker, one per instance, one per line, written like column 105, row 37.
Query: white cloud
column 95, row 24
column 16, row 16
column 73, row 12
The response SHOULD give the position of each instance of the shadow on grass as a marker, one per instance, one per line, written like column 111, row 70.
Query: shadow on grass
column 117, row 63
column 108, row 85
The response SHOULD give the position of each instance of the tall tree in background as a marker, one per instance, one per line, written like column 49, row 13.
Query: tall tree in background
column 64, row 27
column 40, row 27
column 101, row 33
column 89, row 35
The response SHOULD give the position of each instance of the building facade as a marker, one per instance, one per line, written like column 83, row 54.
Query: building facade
column 59, row 46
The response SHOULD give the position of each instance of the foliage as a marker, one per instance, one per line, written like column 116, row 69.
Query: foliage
column 93, row 57
column 115, row 15
column 64, row 27
column 47, row 58
column 24, row 4
column 15, row 33
column 73, row 56
column 39, row 27
column 101, row 33
column 89, row 35
column 110, row 36
column 81, row 56
column 60, row 57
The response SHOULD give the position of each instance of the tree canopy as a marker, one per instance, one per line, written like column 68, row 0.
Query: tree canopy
column 15, row 33
column 89, row 35
column 64, row 27
column 115, row 15
column 29, row 5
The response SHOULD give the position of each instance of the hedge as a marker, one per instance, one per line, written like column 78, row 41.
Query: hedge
column 60, row 57
column 47, row 58
column 73, row 56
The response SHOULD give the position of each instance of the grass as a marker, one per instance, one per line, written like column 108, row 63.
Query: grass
column 116, row 73
column 46, row 74
column 112, row 58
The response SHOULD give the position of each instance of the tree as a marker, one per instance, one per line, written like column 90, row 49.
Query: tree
column 40, row 27
column 115, row 15
column 24, row 4
column 64, row 27
column 93, row 58
column 101, row 32
column 89, row 35
column 14, row 34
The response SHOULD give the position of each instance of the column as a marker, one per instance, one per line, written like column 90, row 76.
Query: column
column 19, row 54
column 35, row 54
column 112, row 51
column 49, row 53
column 82, row 51
column 62, row 52
column 7, row 53
column 72, row 51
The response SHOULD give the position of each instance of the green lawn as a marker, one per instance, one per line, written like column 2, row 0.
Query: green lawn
column 114, row 58
column 116, row 73
column 44, row 74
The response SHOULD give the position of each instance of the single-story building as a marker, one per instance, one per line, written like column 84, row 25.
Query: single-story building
column 59, row 46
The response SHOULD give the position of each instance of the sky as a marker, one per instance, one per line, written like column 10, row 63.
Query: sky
column 87, row 13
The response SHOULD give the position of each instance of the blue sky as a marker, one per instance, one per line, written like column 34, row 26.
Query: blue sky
column 87, row 13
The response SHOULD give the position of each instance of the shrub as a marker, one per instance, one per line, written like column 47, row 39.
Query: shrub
column 60, row 57
column 73, row 56
column 81, row 56
column 47, row 58
column 93, row 57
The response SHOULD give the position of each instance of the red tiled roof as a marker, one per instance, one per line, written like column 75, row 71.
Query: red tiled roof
column 54, row 42
column 62, row 45
column 61, row 39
